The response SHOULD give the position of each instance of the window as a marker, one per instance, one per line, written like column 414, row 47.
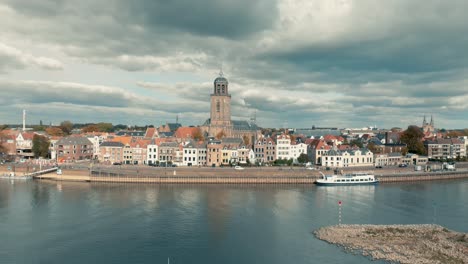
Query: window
column 218, row 106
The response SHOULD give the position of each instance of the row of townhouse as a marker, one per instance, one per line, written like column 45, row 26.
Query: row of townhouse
column 396, row 158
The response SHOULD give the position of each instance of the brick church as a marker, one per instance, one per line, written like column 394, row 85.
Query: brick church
column 220, row 115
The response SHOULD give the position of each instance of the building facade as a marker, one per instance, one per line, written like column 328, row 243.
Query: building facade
column 445, row 148
column 70, row 149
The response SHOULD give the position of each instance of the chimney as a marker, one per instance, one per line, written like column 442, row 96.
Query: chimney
column 386, row 138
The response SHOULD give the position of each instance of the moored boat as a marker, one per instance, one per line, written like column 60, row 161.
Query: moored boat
column 355, row 178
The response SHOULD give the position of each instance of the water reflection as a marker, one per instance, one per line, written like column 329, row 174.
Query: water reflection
column 136, row 223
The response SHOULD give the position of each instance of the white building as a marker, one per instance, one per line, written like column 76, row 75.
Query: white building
column 283, row 147
column 194, row 154
column 348, row 158
column 152, row 155
column 190, row 154
column 297, row 149
column 96, row 143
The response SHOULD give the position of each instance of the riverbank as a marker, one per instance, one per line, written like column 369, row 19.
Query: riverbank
column 400, row 243
column 226, row 175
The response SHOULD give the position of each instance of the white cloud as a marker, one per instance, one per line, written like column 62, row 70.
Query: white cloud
column 12, row 58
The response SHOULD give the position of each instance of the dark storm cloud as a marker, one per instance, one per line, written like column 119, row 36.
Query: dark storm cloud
column 340, row 61
column 226, row 19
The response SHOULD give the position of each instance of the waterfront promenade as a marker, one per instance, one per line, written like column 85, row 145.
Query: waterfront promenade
column 228, row 175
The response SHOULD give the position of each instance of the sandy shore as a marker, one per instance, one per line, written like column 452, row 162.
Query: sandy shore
column 400, row 243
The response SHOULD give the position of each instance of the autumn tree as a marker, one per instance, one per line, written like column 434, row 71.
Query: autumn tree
column 55, row 131
column 454, row 134
column 3, row 140
column 40, row 146
column 66, row 127
column 412, row 137
column 246, row 139
column 220, row 135
column 371, row 146
column 198, row 136
column 90, row 128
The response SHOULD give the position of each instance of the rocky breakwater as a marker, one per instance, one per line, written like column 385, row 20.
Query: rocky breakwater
column 400, row 243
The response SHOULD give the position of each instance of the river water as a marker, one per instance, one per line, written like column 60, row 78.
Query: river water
column 53, row 222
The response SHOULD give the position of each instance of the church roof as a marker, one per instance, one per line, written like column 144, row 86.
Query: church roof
column 220, row 79
column 244, row 125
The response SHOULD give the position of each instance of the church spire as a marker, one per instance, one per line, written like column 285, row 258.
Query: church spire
column 424, row 121
column 432, row 121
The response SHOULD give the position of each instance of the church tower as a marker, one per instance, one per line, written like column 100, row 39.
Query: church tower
column 220, row 102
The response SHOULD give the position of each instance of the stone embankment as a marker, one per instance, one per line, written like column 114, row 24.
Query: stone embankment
column 400, row 243
column 226, row 175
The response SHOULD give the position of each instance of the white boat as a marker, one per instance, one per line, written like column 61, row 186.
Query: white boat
column 12, row 176
column 355, row 178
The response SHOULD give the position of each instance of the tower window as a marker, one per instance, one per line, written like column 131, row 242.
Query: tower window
column 218, row 106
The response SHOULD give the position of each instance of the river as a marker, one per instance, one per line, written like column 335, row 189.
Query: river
column 66, row 222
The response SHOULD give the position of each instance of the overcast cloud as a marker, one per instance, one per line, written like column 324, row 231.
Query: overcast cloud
column 297, row 63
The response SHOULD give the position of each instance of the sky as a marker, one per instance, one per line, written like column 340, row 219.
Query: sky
column 291, row 63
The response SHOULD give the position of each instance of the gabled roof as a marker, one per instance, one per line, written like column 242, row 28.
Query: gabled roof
column 27, row 135
column 151, row 132
column 123, row 139
column 72, row 140
column 112, row 144
column 169, row 145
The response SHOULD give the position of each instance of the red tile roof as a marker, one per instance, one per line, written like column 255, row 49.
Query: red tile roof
column 186, row 132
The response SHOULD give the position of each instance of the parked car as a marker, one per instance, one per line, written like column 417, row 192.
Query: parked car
column 403, row 165
column 378, row 167
column 238, row 168
column 117, row 163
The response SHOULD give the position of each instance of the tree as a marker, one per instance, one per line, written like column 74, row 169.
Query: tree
column 371, row 146
column 90, row 128
column 412, row 137
column 404, row 151
column 66, row 127
column 220, row 135
column 246, row 139
column 357, row 143
column 105, row 127
column 198, row 136
column 3, row 140
column 454, row 134
column 303, row 158
column 40, row 146
column 54, row 131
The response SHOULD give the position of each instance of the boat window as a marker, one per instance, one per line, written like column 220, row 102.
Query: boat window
column 352, row 179
column 347, row 180
column 370, row 179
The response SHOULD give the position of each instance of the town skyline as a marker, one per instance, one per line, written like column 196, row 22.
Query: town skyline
column 289, row 63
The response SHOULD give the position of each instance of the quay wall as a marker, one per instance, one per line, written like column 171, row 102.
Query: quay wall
column 230, row 176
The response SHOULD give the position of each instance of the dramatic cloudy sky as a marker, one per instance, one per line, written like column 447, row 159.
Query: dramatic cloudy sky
column 295, row 63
